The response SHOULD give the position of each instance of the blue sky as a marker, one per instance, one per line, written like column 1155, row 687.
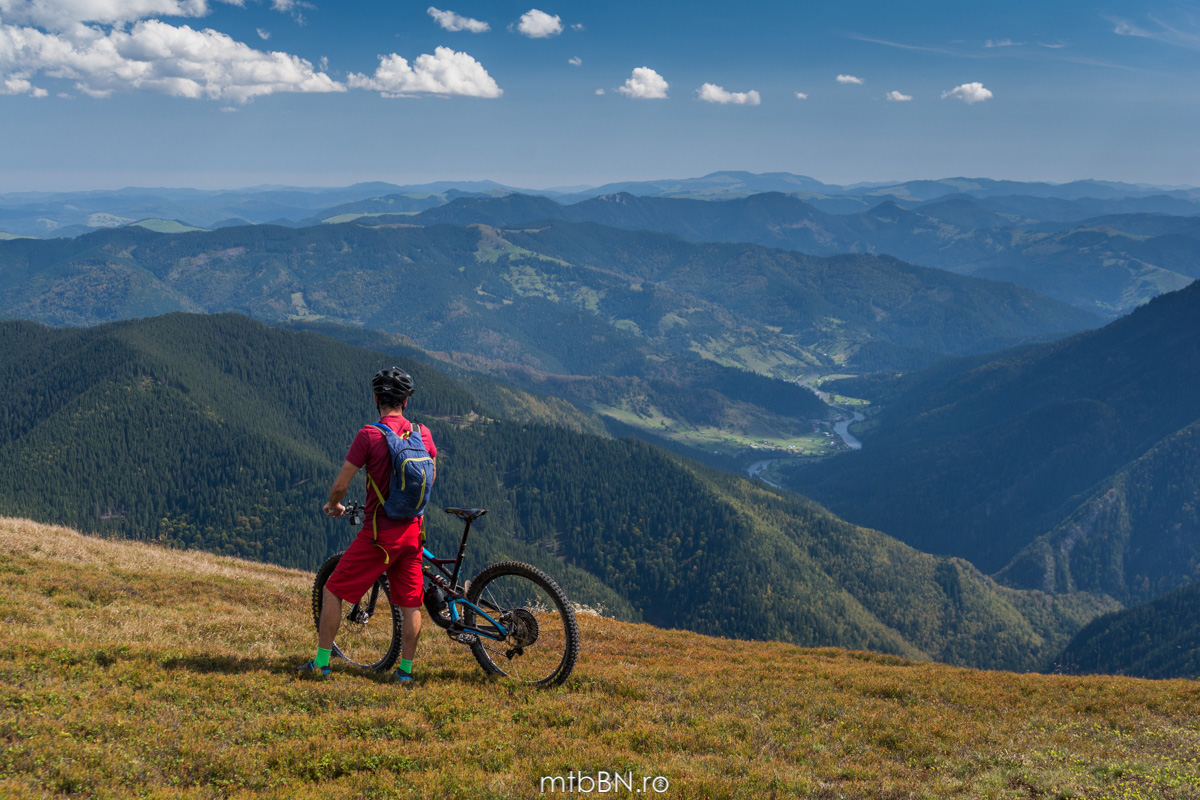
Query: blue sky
column 217, row 93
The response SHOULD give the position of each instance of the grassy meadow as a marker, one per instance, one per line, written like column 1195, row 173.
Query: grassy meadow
column 132, row 670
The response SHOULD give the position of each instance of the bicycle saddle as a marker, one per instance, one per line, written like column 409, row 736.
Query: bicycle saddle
column 467, row 514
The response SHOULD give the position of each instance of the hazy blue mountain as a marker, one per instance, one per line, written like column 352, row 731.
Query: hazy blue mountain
column 725, row 185
column 1074, row 461
column 1097, row 267
column 574, row 299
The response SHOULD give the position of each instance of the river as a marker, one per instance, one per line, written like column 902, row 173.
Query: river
column 842, row 429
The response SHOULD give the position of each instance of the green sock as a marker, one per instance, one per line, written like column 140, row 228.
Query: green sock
column 322, row 659
column 406, row 665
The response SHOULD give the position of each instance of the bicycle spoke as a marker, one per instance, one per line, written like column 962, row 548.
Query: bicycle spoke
column 541, row 640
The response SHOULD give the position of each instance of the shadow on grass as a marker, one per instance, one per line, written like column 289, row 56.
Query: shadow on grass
column 235, row 665
column 229, row 665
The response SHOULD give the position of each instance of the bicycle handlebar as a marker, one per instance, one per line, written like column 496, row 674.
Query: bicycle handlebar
column 355, row 512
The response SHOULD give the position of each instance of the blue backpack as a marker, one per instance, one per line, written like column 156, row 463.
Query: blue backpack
column 412, row 474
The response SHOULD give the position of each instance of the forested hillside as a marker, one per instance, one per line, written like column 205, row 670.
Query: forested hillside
column 217, row 433
column 569, row 298
column 1158, row 639
column 1107, row 265
column 618, row 322
column 1090, row 441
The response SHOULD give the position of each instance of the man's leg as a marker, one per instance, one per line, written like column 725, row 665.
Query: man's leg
column 359, row 567
column 331, row 619
column 411, row 633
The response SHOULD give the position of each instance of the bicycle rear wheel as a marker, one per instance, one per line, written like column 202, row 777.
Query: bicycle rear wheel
column 541, row 636
column 369, row 636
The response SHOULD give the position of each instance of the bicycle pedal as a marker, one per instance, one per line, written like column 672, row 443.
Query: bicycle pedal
column 464, row 637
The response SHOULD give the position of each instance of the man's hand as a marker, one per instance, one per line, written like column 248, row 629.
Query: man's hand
column 334, row 509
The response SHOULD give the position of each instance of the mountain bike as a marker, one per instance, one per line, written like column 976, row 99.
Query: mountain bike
column 512, row 616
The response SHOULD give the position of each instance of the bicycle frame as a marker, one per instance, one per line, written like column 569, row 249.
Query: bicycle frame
column 448, row 581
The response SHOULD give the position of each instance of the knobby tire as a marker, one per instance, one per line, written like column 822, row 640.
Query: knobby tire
column 505, row 588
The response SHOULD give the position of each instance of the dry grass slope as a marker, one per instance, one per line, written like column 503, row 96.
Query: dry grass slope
column 129, row 670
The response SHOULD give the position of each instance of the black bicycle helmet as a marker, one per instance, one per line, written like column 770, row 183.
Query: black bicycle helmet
column 392, row 383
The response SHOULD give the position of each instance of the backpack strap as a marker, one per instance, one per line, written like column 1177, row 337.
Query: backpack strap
column 385, row 430
column 379, row 493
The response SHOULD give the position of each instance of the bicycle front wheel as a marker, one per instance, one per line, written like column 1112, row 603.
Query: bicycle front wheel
column 369, row 636
column 540, row 638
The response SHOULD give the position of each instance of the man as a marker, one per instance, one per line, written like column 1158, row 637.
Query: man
column 384, row 544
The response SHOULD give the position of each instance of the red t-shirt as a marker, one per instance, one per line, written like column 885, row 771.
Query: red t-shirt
column 370, row 449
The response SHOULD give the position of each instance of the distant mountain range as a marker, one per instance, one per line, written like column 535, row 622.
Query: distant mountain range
column 1107, row 265
column 46, row 214
column 1103, row 247
column 565, row 298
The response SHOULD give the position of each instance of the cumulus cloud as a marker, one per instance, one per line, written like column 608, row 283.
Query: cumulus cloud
column 645, row 84
column 152, row 56
column 711, row 93
column 60, row 15
column 969, row 93
column 897, row 97
column 575, row 62
column 456, row 22
column 850, row 79
column 599, row 92
column 539, row 25
column 262, row 34
column 578, row 26
column 801, row 96
column 446, row 72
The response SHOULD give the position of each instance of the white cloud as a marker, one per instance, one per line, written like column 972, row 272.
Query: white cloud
column 969, row 93
column 599, row 92
column 1187, row 37
column 801, row 96
column 897, row 97
column 1002, row 43
column 711, row 93
column 539, row 25
column 446, row 72
column 16, row 85
column 264, row 35
column 455, row 22
column 850, row 79
column 60, row 15
column 645, row 84
column 152, row 56
column 578, row 26
column 575, row 62
column 291, row 7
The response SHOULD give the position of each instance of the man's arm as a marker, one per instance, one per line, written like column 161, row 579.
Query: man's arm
column 341, row 484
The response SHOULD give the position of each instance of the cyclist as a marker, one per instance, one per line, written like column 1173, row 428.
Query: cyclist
column 383, row 544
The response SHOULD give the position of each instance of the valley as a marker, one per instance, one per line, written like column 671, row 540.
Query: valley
column 840, row 376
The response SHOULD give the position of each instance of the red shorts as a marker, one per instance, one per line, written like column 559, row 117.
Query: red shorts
column 398, row 553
